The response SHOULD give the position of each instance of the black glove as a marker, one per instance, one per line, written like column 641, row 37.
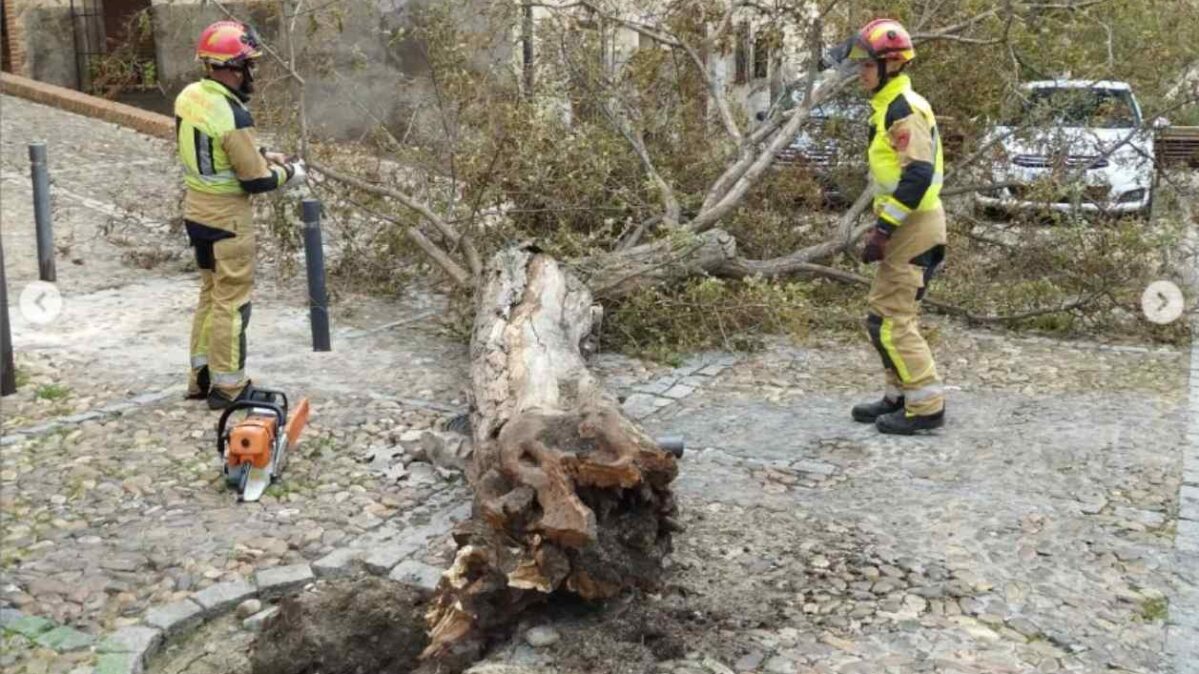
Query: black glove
column 876, row 245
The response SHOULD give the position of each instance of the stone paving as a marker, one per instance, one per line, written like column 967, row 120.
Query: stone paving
column 110, row 500
column 1183, row 633
column 1057, row 505
column 1048, row 528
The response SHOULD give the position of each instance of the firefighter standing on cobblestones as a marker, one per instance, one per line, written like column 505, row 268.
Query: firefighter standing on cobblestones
column 908, row 239
column 223, row 166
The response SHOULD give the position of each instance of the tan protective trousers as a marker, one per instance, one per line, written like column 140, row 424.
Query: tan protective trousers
column 914, row 252
column 218, row 338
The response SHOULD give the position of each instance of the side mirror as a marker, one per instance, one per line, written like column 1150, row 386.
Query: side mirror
column 1160, row 122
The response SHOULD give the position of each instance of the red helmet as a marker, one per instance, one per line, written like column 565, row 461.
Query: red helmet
column 883, row 40
column 228, row 43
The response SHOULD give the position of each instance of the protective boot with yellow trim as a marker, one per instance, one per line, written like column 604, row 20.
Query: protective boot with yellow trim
column 902, row 422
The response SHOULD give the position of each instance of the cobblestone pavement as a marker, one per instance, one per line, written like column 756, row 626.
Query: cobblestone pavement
column 1035, row 534
column 110, row 500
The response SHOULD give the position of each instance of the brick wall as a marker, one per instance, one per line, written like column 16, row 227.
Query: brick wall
column 15, row 28
column 149, row 123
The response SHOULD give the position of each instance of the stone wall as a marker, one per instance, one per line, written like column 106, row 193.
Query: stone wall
column 356, row 75
column 50, row 45
column 73, row 101
column 41, row 40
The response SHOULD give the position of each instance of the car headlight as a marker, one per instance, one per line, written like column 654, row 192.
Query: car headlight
column 1132, row 196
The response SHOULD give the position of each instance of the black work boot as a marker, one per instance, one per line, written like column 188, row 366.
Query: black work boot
column 868, row 412
column 900, row 422
column 219, row 401
column 203, row 384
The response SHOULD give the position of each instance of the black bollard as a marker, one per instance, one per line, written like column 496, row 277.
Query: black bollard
column 314, row 256
column 40, row 173
column 8, row 370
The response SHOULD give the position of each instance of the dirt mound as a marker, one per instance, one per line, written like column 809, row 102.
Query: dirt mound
column 362, row 626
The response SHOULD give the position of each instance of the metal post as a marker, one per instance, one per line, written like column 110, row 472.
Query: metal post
column 673, row 444
column 41, row 211
column 8, row 369
column 318, row 300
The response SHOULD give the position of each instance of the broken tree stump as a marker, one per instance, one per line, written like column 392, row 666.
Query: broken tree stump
column 569, row 494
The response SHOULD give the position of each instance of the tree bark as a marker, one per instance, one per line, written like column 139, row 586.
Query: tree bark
column 615, row 275
column 569, row 494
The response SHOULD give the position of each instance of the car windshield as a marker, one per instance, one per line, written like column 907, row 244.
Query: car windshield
column 1081, row 107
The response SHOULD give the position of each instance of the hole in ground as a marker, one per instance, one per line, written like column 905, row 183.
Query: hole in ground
column 345, row 627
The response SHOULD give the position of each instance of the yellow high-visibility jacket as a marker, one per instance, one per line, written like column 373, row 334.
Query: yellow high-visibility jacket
column 905, row 155
column 222, row 163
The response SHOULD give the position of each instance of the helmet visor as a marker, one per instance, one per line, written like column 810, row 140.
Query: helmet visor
column 860, row 51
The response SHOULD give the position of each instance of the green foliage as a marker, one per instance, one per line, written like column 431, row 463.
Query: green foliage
column 1155, row 610
column 555, row 165
column 1150, row 45
column 1029, row 264
column 661, row 323
column 129, row 65
column 52, row 392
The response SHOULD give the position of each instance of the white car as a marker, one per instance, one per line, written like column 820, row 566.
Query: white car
column 1073, row 145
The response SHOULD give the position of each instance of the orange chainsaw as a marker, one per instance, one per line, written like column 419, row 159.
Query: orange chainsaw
column 254, row 446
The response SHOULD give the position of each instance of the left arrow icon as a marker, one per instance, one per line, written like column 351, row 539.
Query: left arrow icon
column 41, row 302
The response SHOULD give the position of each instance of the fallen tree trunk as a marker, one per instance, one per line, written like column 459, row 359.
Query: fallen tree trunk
column 569, row 494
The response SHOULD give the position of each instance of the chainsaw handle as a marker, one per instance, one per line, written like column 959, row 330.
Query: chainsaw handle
column 222, row 438
column 274, row 393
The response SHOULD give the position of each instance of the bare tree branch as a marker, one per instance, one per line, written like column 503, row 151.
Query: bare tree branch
column 1072, row 6
column 440, row 257
column 750, row 171
column 810, row 269
column 957, row 191
column 815, row 50
column 970, row 317
column 301, row 96
column 633, row 135
column 634, row 237
column 847, row 232
column 614, row 110
column 446, row 229
column 673, row 41
column 983, row 149
column 717, row 96
column 955, row 28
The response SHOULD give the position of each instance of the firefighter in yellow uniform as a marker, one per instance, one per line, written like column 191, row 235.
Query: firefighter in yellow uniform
column 908, row 240
column 223, row 166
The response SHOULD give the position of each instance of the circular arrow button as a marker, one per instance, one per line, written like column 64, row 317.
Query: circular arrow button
column 41, row 302
column 1162, row 302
